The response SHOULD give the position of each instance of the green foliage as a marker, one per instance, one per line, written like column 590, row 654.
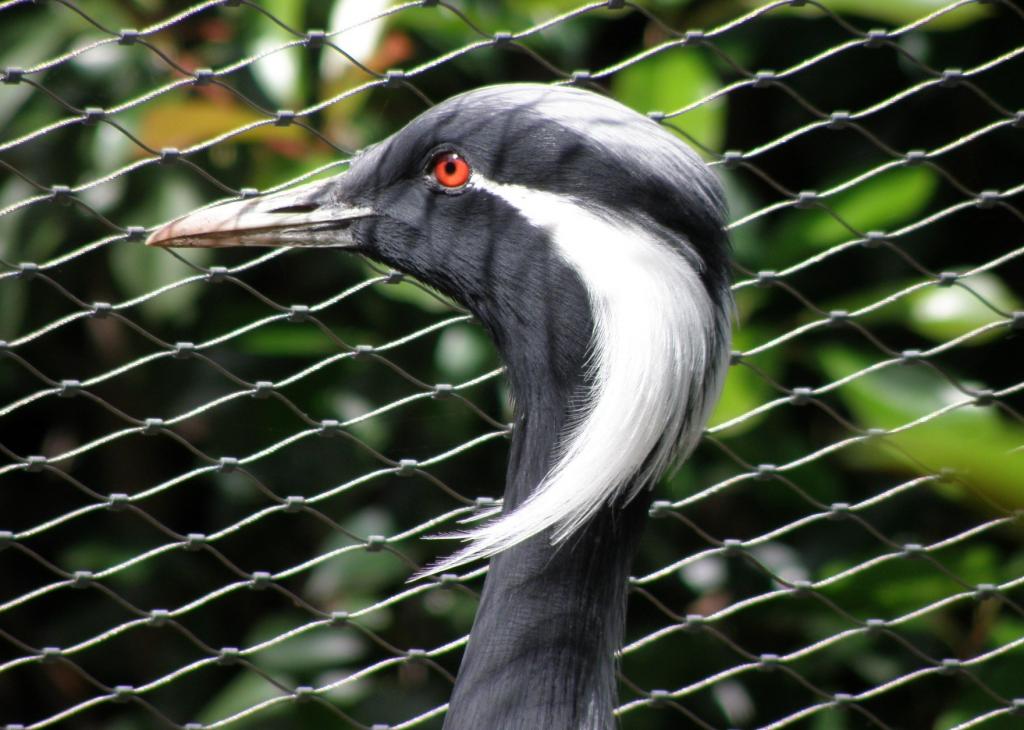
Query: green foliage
column 979, row 443
column 883, row 202
column 898, row 12
column 670, row 82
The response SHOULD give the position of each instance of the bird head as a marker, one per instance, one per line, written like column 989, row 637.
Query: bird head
column 583, row 235
column 439, row 199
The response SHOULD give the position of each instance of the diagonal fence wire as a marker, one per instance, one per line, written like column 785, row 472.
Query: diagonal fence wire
column 40, row 538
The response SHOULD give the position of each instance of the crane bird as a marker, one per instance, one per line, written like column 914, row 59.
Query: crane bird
column 589, row 242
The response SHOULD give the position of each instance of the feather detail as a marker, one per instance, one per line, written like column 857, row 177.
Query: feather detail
column 658, row 353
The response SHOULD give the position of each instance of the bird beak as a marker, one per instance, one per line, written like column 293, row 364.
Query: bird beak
column 309, row 215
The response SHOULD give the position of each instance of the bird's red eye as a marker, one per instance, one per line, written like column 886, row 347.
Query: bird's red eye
column 451, row 170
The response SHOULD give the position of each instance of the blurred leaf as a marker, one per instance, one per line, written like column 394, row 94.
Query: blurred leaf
column 974, row 441
column 350, row 577
column 439, row 30
column 13, row 301
column 463, row 351
column 829, row 721
column 897, row 12
column 21, row 47
column 707, row 574
column 544, row 9
column 670, row 81
column 747, row 240
column 411, row 293
column 369, row 573
column 343, row 119
column 940, row 313
column 322, row 648
column 898, row 587
column 182, row 124
column 96, row 556
column 139, row 271
column 290, row 12
column 1006, row 630
column 881, row 202
column 109, row 148
column 348, row 405
column 743, row 392
column 744, row 389
column 358, row 39
column 244, row 691
column 286, row 340
column 106, row 62
column 944, row 313
column 280, row 73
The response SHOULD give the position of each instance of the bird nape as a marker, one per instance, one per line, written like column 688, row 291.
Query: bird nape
column 589, row 242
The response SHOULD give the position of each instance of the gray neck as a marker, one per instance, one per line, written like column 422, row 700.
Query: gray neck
column 541, row 652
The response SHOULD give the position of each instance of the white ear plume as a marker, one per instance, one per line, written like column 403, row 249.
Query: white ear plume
column 659, row 351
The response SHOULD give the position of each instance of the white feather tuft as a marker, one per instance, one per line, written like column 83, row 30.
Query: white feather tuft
column 656, row 330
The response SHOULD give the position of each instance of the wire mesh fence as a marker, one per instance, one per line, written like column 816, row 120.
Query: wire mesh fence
column 219, row 468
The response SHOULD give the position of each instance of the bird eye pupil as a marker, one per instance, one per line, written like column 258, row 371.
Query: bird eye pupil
column 450, row 167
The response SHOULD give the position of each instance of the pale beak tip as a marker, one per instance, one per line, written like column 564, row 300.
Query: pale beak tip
column 162, row 236
column 154, row 240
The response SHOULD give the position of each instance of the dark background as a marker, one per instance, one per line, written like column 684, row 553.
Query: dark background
column 954, row 477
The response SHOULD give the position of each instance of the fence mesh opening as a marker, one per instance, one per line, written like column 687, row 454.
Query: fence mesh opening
column 217, row 468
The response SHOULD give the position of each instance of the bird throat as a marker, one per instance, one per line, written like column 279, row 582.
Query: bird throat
column 610, row 369
column 655, row 346
column 551, row 617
